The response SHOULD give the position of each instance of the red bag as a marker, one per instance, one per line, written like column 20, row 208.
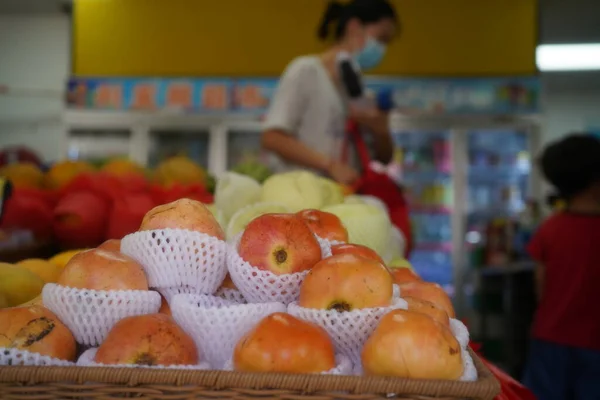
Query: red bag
column 380, row 185
column 511, row 389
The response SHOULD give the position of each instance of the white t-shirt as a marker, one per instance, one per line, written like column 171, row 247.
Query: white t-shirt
column 308, row 105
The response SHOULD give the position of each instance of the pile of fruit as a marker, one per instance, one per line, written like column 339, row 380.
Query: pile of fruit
column 251, row 166
column 76, row 205
column 288, row 293
column 239, row 199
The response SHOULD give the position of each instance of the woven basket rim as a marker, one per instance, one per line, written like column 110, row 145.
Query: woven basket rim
column 485, row 388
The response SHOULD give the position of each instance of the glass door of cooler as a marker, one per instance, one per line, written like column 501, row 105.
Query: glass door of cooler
column 498, row 191
column 166, row 143
column 244, row 151
column 244, row 145
column 96, row 145
column 426, row 160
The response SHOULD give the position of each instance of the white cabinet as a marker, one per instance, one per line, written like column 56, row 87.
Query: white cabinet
column 217, row 142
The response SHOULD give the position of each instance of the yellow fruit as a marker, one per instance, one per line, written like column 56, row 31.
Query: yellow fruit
column 36, row 301
column 179, row 169
column 61, row 259
column 46, row 270
column 122, row 166
column 18, row 284
column 400, row 263
column 3, row 301
column 25, row 175
column 64, row 172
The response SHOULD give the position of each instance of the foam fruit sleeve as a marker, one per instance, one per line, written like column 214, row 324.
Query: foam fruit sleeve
column 91, row 314
column 461, row 333
column 216, row 324
column 260, row 286
column 87, row 360
column 10, row 356
column 348, row 330
column 174, row 258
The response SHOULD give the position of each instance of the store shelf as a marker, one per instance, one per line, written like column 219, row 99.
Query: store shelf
column 434, row 246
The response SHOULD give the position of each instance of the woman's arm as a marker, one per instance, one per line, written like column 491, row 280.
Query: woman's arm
column 293, row 150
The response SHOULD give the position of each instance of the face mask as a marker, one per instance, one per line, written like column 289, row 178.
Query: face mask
column 371, row 55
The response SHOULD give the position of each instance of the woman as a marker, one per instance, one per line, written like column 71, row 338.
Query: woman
column 305, row 125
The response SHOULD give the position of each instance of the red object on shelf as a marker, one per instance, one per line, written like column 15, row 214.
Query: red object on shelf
column 10, row 155
column 511, row 388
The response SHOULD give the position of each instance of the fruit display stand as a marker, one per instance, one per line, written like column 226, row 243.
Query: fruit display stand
column 50, row 383
column 285, row 305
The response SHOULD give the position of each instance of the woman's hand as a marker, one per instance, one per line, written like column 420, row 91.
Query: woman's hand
column 343, row 173
column 371, row 118
column 377, row 123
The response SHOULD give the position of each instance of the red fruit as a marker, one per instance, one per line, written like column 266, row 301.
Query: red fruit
column 325, row 225
column 26, row 212
column 80, row 220
column 356, row 249
column 280, row 243
column 127, row 214
column 101, row 184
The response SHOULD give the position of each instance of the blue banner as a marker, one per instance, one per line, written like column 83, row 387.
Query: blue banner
column 189, row 95
column 435, row 96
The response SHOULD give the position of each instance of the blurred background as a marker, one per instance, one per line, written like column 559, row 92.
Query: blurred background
column 488, row 84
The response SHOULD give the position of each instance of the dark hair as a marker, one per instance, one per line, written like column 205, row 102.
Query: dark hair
column 572, row 164
column 366, row 11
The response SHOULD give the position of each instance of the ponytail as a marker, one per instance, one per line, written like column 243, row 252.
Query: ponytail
column 333, row 13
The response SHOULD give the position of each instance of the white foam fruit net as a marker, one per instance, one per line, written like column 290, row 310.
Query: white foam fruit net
column 91, row 314
column 87, row 360
column 178, row 257
column 232, row 295
column 343, row 367
column 259, row 286
column 170, row 292
column 461, row 333
column 10, row 356
column 348, row 330
column 216, row 324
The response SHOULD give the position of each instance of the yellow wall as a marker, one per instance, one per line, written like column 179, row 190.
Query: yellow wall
column 258, row 37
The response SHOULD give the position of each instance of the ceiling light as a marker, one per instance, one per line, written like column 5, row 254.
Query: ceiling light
column 568, row 57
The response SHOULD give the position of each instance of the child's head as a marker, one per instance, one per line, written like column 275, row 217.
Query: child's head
column 572, row 166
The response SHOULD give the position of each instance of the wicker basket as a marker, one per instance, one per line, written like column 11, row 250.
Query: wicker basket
column 52, row 383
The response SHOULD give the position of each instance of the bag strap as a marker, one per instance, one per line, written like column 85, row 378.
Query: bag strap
column 354, row 136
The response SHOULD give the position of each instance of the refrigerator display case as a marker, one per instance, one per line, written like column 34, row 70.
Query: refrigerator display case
column 243, row 144
column 96, row 144
column 193, row 143
column 462, row 175
column 215, row 141
column 426, row 160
